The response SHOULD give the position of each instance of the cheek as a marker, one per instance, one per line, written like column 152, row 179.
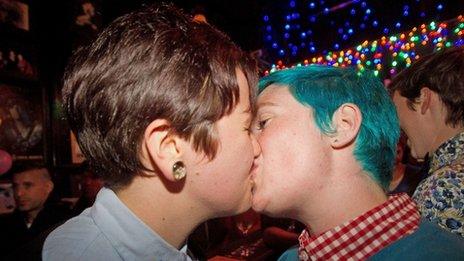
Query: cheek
column 280, row 153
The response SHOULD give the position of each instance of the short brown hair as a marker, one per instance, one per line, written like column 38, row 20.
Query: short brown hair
column 155, row 63
column 441, row 72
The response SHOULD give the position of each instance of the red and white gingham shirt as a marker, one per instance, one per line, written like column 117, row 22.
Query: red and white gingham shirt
column 362, row 237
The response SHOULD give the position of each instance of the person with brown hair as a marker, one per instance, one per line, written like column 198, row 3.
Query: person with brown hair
column 430, row 103
column 161, row 106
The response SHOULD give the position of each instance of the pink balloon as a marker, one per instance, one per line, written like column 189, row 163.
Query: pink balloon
column 5, row 162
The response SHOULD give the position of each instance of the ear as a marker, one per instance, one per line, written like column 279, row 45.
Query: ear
column 347, row 121
column 161, row 148
column 425, row 99
column 50, row 186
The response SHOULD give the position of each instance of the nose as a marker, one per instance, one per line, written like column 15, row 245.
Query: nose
column 256, row 146
column 18, row 192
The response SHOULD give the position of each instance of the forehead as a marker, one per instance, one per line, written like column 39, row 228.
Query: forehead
column 27, row 176
column 278, row 96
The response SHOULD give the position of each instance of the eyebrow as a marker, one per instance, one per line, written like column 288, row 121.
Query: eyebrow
column 265, row 104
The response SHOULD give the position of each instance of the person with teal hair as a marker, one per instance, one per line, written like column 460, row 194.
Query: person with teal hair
column 328, row 139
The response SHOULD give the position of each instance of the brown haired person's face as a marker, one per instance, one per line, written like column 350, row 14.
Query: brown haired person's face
column 223, row 185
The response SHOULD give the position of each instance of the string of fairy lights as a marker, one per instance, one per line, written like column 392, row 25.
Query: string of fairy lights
column 343, row 24
column 387, row 54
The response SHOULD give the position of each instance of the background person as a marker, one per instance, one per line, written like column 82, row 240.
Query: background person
column 34, row 214
column 430, row 103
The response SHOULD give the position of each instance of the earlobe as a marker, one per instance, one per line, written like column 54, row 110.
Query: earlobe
column 347, row 121
column 161, row 148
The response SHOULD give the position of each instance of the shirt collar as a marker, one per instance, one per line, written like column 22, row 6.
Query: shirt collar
column 129, row 236
column 448, row 152
column 365, row 235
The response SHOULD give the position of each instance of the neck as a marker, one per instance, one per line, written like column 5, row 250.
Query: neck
column 442, row 134
column 349, row 193
column 32, row 214
column 171, row 215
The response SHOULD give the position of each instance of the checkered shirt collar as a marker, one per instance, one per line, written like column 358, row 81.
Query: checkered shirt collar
column 362, row 237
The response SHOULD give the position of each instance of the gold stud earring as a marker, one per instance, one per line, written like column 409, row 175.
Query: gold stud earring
column 178, row 170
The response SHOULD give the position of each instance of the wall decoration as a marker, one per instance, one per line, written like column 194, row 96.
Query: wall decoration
column 21, row 122
column 14, row 14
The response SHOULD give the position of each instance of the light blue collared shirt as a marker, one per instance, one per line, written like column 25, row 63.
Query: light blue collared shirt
column 107, row 231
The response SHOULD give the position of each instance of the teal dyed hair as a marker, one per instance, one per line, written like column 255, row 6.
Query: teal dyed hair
column 325, row 89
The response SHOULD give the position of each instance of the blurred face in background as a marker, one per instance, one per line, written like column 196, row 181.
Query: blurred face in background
column 31, row 189
column 412, row 124
column 91, row 185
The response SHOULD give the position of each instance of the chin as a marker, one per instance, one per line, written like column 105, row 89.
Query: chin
column 238, row 209
column 24, row 208
column 258, row 204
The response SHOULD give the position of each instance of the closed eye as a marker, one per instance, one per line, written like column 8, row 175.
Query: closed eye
column 262, row 124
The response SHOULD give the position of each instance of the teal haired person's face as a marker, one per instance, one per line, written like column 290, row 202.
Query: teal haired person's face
column 294, row 153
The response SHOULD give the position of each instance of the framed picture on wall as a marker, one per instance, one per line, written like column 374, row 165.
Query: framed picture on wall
column 22, row 122
column 14, row 14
